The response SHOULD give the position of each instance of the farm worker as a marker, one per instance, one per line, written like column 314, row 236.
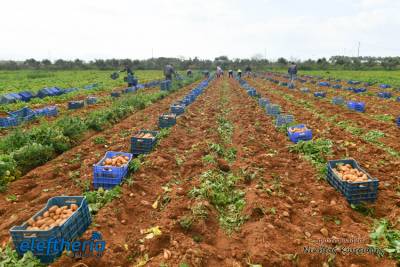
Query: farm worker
column 189, row 73
column 239, row 73
column 206, row 74
column 219, row 71
column 127, row 69
column 168, row 71
column 292, row 72
column 248, row 71
column 230, row 73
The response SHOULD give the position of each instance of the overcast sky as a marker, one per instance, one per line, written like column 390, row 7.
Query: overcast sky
column 90, row 29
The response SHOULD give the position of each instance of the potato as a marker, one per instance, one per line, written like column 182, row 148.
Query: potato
column 46, row 214
column 38, row 218
column 55, row 217
column 64, row 207
column 58, row 211
column 41, row 222
column 74, row 207
column 53, row 208
column 31, row 222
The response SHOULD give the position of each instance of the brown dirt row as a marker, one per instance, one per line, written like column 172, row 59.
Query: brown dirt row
column 374, row 106
column 376, row 161
column 391, row 130
column 303, row 206
column 59, row 176
column 187, row 142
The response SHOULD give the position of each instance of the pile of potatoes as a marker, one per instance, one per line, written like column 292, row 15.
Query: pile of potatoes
column 116, row 161
column 349, row 174
column 54, row 216
column 144, row 135
column 297, row 130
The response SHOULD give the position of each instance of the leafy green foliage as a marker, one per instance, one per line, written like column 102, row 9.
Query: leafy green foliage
column 219, row 189
column 98, row 199
column 72, row 127
column 99, row 140
column 32, row 155
column 386, row 237
column 10, row 258
column 373, row 136
column 314, row 150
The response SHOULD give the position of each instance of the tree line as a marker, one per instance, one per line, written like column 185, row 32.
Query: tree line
column 256, row 63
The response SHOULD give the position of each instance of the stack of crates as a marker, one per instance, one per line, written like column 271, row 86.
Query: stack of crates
column 177, row 108
column 22, row 115
column 165, row 85
column 273, row 109
column 283, row 119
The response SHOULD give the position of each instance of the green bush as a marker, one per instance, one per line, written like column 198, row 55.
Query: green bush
column 32, row 155
column 50, row 136
column 13, row 141
column 72, row 127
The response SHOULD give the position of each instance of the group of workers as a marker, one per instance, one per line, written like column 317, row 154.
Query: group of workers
column 169, row 71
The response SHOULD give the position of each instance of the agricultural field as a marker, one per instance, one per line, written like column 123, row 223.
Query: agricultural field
column 387, row 77
column 213, row 172
column 33, row 80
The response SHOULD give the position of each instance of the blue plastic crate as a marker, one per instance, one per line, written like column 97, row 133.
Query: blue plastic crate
column 283, row 119
column 385, row 86
column 165, row 85
column 26, row 96
column 291, row 86
column 320, row 94
column 359, row 90
column 384, row 94
column 252, row 92
column 338, row 100
column 325, row 84
column 115, row 94
column 273, row 109
column 353, row 82
column 7, row 99
column 398, row 121
column 355, row 192
column 296, row 137
column 72, row 229
column 167, row 120
column 398, row 99
column 356, row 106
column 23, row 114
column 130, row 90
column 76, row 104
column 337, row 86
column 177, row 109
column 143, row 145
column 91, row 100
column 6, row 122
column 108, row 177
column 350, row 89
column 304, row 90
column 50, row 111
column 263, row 101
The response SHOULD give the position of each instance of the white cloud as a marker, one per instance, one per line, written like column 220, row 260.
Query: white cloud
column 122, row 28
